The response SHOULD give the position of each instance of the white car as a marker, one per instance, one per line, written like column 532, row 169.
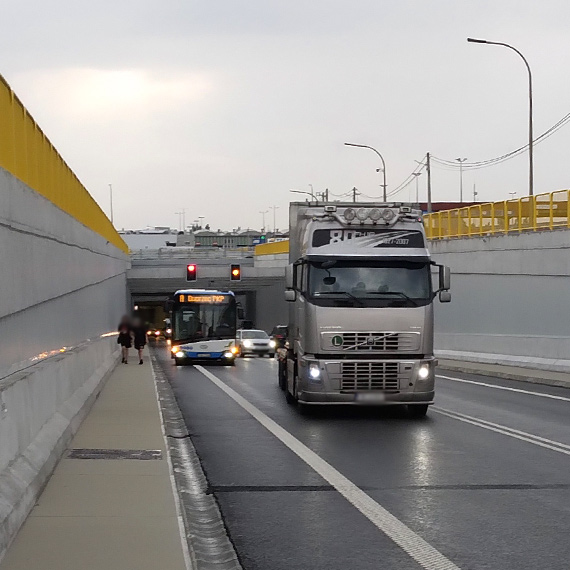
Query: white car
column 251, row 341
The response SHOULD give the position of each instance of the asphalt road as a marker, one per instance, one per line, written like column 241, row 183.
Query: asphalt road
column 482, row 483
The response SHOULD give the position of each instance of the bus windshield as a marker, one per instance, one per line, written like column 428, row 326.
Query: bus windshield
column 201, row 319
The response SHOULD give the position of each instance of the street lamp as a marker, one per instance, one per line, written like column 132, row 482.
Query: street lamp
column 417, row 175
column 381, row 158
column 263, row 214
column 530, row 135
column 461, row 161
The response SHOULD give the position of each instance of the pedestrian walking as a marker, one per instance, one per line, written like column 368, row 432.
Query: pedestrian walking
column 139, row 334
column 124, row 338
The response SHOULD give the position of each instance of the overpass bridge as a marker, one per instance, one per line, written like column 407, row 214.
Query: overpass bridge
column 68, row 277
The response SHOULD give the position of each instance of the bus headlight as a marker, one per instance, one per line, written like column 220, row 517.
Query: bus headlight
column 423, row 372
column 180, row 354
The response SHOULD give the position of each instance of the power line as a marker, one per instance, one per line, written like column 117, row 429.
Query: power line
column 452, row 165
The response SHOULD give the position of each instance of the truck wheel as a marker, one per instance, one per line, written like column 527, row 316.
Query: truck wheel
column 282, row 376
column 418, row 410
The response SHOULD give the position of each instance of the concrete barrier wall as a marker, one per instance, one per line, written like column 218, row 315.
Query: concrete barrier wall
column 63, row 290
column 509, row 299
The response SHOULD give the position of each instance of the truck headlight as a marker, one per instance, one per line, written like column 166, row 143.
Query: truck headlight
column 423, row 372
column 314, row 371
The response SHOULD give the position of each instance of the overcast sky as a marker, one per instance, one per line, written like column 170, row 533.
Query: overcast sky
column 221, row 106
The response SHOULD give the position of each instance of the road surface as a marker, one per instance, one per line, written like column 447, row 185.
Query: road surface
column 482, row 483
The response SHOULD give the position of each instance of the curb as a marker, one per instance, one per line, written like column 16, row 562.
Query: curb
column 209, row 546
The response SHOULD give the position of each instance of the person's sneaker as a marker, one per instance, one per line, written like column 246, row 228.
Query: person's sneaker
column 140, row 362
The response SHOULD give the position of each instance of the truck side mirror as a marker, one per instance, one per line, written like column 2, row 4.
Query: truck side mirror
column 289, row 277
column 444, row 297
column 444, row 278
column 290, row 295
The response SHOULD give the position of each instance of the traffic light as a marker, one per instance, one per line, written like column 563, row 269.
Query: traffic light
column 191, row 271
column 235, row 273
column 263, row 239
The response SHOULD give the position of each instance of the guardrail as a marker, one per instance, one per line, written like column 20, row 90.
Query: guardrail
column 28, row 154
column 531, row 213
column 190, row 253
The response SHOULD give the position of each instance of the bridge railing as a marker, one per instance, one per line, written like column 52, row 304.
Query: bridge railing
column 190, row 253
column 530, row 213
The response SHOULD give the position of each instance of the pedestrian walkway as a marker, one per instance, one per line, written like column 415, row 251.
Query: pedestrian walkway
column 108, row 514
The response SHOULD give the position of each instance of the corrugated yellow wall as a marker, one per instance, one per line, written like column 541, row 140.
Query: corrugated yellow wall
column 272, row 248
column 28, row 154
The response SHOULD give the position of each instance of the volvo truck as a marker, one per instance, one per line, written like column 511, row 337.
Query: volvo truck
column 361, row 287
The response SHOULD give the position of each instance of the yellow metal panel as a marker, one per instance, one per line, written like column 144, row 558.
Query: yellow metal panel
column 272, row 248
column 28, row 154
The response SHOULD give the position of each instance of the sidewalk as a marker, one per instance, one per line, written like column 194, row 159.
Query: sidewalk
column 108, row 514
column 531, row 375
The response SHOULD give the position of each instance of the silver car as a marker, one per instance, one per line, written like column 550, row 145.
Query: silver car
column 251, row 341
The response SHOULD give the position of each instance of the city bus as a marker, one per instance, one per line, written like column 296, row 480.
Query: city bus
column 204, row 324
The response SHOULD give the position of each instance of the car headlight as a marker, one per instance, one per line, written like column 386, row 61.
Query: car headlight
column 157, row 333
column 168, row 331
column 272, row 344
column 247, row 343
column 314, row 371
column 234, row 349
column 423, row 372
column 149, row 332
column 180, row 354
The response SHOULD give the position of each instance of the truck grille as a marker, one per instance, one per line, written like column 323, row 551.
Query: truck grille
column 383, row 341
column 369, row 376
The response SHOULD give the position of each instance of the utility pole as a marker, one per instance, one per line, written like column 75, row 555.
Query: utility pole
column 274, row 224
column 417, row 175
column 111, row 198
column 461, row 161
column 326, row 194
column 428, row 168
column 354, row 194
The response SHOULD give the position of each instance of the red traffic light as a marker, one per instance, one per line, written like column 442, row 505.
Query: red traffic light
column 191, row 271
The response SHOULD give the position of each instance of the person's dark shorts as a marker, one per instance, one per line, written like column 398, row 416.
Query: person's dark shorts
column 139, row 345
column 125, row 341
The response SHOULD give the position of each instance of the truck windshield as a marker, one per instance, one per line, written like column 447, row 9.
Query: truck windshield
column 370, row 283
column 203, row 321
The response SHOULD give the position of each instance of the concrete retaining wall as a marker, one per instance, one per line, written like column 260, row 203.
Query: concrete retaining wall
column 63, row 290
column 509, row 298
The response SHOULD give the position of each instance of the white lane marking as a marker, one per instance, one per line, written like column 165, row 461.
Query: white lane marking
column 415, row 546
column 498, row 428
column 519, row 390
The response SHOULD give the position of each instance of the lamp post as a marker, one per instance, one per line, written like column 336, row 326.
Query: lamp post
column 274, row 208
column 417, row 175
column 461, row 161
column 530, row 134
column 263, row 214
column 381, row 158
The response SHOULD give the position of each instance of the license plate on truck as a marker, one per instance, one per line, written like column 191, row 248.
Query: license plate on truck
column 370, row 397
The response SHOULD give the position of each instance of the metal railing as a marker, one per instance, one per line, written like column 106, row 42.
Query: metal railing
column 531, row 213
column 190, row 253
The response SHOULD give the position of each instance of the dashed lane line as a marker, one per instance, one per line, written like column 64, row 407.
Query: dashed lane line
column 421, row 551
